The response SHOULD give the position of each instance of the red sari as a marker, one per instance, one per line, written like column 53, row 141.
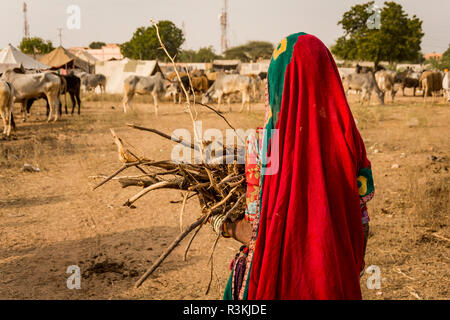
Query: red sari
column 310, row 240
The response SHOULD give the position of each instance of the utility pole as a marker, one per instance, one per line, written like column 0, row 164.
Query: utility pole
column 26, row 26
column 223, row 17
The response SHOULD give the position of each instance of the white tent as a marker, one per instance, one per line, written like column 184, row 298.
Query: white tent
column 11, row 57
column 116, row 71
column 254, row 68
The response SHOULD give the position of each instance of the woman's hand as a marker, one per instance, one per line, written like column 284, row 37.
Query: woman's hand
column 240, row 230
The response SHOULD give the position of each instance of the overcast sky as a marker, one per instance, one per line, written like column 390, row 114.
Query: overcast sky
column 115, row 20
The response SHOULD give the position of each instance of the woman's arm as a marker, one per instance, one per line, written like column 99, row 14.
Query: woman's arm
column 240, row 230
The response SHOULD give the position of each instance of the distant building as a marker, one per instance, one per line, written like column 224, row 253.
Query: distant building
column 108, row 52
column 434, row 55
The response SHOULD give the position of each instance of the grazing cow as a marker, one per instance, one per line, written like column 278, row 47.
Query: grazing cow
column 199, row 84
column 227, row 84
column 431, row 84
column 446, row 85
column 28, row 86
column 386, row 82
column 155, row 85
column 92, row 81
column 364, row 83
column 175, row 90
column 6, row 106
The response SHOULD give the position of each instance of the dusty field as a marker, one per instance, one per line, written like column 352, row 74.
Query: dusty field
column 52, row 219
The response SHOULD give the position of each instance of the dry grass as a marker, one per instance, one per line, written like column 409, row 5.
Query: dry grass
column 52, row 219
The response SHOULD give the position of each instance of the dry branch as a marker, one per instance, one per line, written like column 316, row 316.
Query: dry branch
column 172, row 246
column 219, row 186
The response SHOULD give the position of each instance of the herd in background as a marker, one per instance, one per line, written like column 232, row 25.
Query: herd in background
column 24, row 87
column 211, row 86
column 365, row 81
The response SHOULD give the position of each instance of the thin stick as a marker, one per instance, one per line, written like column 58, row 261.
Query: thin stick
column 111, row 176
column 439, row 236
column 179, row 201
column 172, row 246
column 218, row 113
column 190, row 242
column 224, row 200
column 227, row 215
column 211, row 259
column 162, row 134
column 183, row 205
column 211, row 274
column 159, row 185
column 402, row 273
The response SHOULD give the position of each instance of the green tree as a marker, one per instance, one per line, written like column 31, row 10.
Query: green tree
column 251, row 51
column 205, row 54
column 444, row 62
column 144, row 44
column 397, row 37
column 35, row 45
column 96, row 45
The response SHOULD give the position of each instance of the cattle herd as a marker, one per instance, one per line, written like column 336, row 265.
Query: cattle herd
column 364, row 81
column 24, row 87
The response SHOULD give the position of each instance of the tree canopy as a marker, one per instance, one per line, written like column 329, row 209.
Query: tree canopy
column 96, row 45
column 35, row 45
column 251, row 51
column 444, row 62
column 396, row 38
column 205, row 54
column 144, row 44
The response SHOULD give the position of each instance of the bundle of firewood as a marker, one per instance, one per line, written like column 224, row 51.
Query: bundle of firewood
column 218, row 184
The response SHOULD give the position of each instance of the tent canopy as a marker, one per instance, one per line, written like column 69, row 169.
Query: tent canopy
column 11, row 57
column 226, row 65
column 62, row 58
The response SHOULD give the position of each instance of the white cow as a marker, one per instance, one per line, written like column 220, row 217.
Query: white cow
column 364, row 83
column 155, row 85
column 227, row 84
column 446, row 85
column 27, row 86
column 386, row 82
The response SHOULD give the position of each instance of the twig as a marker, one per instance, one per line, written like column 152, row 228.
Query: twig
column 217, row 240
column 402, row 273
column 179, row 201
column 111, row 176
column 183, row 205
column 162, row 134
column 439, row 236
column 218, row 113
column 159, row 185
column 224, row 200
column 190, row 242
column 172, row 246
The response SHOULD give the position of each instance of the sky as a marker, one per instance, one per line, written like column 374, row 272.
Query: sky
column 114, row 21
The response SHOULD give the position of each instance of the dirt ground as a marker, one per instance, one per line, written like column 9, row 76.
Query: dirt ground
column 51, row 219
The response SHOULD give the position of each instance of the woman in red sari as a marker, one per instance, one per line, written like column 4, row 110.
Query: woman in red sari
column 308, row 180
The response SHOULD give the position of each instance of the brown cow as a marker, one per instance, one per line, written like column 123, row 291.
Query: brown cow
column 431, row 84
